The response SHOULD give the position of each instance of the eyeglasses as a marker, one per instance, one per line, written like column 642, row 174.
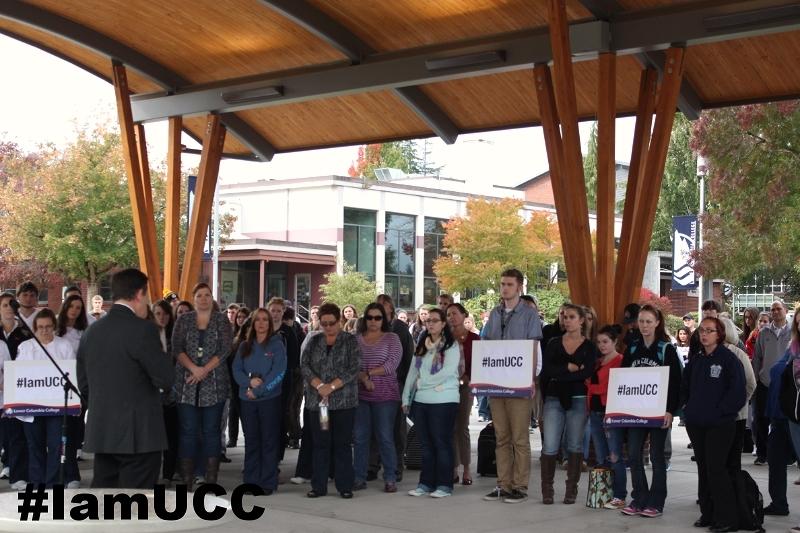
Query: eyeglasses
column 432, row 321
column 327, row 324
column 707, row 330
column 45, row 328
column 373, row 317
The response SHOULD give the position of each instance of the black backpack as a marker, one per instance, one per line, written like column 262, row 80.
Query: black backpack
column 487, row 461
column 749, row 502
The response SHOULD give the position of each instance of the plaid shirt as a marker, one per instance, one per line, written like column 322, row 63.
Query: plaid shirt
column 343, row 362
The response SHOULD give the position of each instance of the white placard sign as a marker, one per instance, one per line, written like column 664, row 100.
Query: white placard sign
column 637, row 397
column 503, row 368
column 33, row 388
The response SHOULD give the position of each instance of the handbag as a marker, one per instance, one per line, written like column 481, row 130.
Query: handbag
column 600, row 491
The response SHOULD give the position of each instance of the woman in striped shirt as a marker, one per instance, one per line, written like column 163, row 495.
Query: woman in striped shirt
column 378, row 395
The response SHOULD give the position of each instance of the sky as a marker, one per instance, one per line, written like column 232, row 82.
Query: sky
column 44, row 99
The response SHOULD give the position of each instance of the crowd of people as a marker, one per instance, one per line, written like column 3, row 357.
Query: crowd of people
column 355, row 377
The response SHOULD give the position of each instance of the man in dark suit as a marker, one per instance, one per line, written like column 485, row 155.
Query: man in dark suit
column 121, row 370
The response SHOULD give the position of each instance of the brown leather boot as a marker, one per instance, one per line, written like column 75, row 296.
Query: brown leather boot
column 574, row 462
column 212, row 469
column 187, row 473
column 548, row 463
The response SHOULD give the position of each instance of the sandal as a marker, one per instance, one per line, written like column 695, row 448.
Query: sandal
column 466, row 481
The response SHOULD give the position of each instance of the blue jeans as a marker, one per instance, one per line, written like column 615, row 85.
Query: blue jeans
column 558, row 420
column 377, row 416
column 483, row 408
column 261, row 422
column 794, row 431
column 615, row 438
column 779, row 452
column 196, row 422
column 434, row 423
column 655, row 494
column 44, row 451
column 599, row 437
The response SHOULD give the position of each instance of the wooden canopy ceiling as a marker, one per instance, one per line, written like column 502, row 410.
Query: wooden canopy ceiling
column 289, row 75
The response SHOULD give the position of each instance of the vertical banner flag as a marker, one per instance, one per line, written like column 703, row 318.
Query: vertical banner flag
column 684, row 241
column 503, row 368
column 191, row 186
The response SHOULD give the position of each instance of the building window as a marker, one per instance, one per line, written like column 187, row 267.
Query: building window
column 400, row 250
column 359, row 240
column 434, row 248
column 239, row 283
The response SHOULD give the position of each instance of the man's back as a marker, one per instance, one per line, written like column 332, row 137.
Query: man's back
column 121, row 368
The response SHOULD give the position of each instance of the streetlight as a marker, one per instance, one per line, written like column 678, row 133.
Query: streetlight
column 702, row 170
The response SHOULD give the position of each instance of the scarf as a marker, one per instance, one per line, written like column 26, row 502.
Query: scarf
column 438, row 358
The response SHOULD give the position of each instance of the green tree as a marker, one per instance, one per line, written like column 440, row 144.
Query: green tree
column 680, row 193
column 351, row 287
column 752, row 159
column 590, row 169
column 68, row 211
column 399, row 154
column 491, row 237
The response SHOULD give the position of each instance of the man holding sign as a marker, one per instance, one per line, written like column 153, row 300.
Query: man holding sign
column 512, row 319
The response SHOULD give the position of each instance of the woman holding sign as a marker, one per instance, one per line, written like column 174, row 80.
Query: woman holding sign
column 568, row 361
column 713, row 389
column 651, row 349
column 431, row 396
column 43, row 433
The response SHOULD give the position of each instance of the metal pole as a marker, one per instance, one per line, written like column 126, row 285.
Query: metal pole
column 215, row 246
column 701, row 173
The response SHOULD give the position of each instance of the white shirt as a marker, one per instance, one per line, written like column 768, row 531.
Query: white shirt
column 29, row 319
column 74, row 337
column 60, row 349
column 4, row 356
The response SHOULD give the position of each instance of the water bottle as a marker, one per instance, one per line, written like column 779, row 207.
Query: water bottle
column 324, row 422
column 199, row 355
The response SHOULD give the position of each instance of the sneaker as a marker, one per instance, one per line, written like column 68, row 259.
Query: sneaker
column 759, row 461
column 390, row 487
column 19, row 485
column 419, row 491
column 4, row 473
column 516, row 496
column 299, row 480
column 441, row 493
column 359, row 485
column 771, row 510
column 651, row 512
column 631, row 510
column 615, row 504
column 496, row 495
column 74, row 484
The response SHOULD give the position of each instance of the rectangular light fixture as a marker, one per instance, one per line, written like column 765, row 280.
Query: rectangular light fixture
column 252, row 95
column 466, row 60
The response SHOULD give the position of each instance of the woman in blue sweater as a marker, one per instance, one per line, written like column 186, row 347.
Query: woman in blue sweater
column 258, row 370
column 713, row 392
column 431, row 397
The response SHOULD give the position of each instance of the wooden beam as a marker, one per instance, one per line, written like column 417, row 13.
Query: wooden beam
column 144, row 167
column 143, row 224
column 606, row 186
column 172, row 216
column 213, row 142
column 642, row 229
column 577, row 209
column 641, row 143
column 552, row 141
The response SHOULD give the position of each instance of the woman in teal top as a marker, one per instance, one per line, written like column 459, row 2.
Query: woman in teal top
column 258, row 369
column 431, row 396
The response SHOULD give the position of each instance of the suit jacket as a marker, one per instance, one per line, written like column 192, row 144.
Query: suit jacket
column 121, row 368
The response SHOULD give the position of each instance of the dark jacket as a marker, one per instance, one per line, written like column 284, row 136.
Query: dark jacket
column 556, row 379
column 713, row 388
column 400, row 329
column 121, row 368
column 18, row 335
column 342, row 360
column 773, row 407
column 639, row 355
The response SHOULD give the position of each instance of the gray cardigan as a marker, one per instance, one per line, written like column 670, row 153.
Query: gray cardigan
column 216, row 387
column 343, row 362
column 769, row 349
